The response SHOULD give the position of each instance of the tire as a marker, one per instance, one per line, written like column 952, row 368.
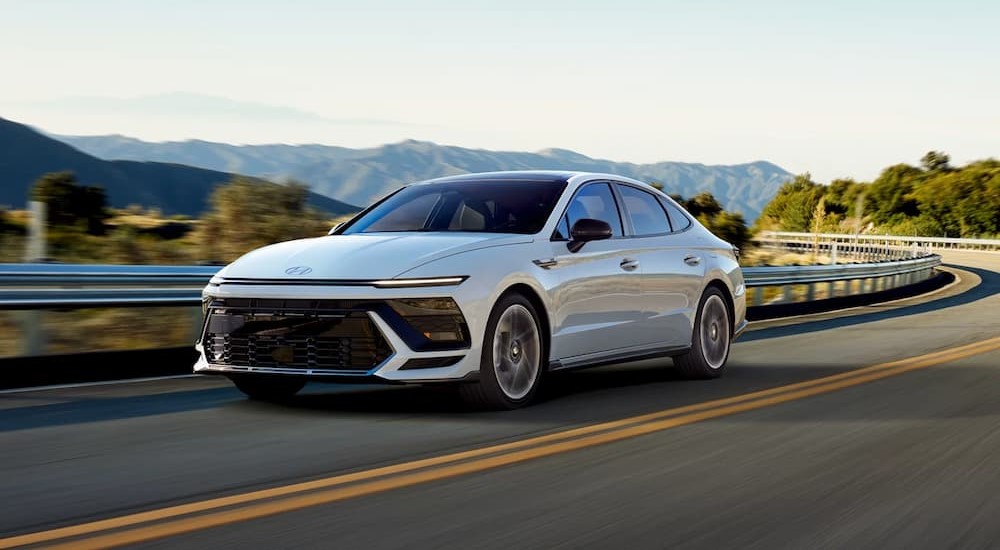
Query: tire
column 510, row 369
column 268, row 388
column 712, row 338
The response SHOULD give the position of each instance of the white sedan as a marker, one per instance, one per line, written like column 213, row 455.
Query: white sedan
column 485, row 281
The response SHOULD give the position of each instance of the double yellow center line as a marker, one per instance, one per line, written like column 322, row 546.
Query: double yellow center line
column 175, row 520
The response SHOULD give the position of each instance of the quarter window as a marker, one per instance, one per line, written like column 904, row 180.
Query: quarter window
column 678, row 219
column 645, row 212
column 595, row 201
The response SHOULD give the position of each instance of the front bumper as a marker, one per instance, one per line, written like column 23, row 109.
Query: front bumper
column 368, row 342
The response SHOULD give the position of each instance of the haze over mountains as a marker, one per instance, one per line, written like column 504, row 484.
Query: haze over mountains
column 358, row 176
column 26, row 154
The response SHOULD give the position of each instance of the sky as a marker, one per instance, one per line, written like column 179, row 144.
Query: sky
column 836, row 89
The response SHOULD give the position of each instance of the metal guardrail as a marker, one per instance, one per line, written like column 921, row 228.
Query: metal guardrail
column 64, row 286
column 69, row 286
column 802, row 283
column 891, row 241
column 808, row 274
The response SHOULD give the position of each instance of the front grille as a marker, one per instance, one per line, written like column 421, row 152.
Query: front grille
column 297, row 335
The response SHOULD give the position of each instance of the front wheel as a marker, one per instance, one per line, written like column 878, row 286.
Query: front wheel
column 513, row 357
column 268, row 388
column 711, row 339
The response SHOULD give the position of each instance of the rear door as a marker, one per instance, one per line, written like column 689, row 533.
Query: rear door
column 671, row 271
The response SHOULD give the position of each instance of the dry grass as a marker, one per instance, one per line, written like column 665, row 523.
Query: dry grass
column 85, row 330
column 759, row 257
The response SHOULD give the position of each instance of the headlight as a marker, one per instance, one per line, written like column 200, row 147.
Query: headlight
column 418, row 282
column 436, row 319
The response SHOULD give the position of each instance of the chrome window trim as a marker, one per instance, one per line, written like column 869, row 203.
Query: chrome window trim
column 658, row 202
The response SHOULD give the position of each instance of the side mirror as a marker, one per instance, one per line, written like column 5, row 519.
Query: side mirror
column 335, row 228
column 586, row 230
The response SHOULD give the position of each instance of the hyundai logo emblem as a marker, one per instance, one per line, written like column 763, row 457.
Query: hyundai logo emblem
column 299, row 270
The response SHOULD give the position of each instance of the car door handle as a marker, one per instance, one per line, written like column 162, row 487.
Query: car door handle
column 692, row 260
column 628, row 264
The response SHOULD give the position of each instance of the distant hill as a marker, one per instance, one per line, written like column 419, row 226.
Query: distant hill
column 358, row 176
column 26, row 154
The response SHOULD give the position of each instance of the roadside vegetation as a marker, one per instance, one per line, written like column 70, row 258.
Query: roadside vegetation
column 934, row 199
column 81, row 228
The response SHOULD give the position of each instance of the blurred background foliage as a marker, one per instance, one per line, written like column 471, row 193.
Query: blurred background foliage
column 934, row 199
column 81, row 228
column 246, row 215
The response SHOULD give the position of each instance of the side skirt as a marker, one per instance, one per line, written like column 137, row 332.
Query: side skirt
column 618, row 357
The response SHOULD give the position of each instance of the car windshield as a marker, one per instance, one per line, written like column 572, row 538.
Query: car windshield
column 476, row 206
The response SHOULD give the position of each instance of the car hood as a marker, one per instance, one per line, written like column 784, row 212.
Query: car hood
column 362, row 256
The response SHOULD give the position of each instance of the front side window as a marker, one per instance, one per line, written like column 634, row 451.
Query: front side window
column 644, row 211
column 470, row 206
column 595, row 201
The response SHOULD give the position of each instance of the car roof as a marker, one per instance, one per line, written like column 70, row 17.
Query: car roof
column 528, row 175
column 509, row 175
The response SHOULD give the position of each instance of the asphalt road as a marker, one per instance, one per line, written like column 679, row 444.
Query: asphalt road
column 885, row 454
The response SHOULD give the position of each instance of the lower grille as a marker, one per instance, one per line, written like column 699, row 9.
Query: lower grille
column 342, row 342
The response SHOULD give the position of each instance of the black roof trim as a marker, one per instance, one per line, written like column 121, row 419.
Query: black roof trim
column 525, row 175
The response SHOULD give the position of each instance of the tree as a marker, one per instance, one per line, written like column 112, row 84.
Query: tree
column 888, row 197
column 729, row 226
column 56, row 190
column 69, row 204
column 963, row 202
column 793, row 207
column 703, row 204
column 935, row 161
column 248, row 214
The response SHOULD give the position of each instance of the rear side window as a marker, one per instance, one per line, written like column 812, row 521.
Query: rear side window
column 595, row 201
column 645, row 212
column 678, row 219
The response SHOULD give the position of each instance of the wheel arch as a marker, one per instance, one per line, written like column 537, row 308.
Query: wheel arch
column 535, row 298
column 727, row 297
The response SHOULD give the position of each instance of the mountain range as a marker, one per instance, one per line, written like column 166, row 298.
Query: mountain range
column 26, row 154
column 358, row 176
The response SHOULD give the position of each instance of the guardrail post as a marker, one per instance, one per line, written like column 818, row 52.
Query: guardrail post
column 833, row 253
column 32, row 331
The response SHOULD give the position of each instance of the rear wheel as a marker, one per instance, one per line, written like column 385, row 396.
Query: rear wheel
column 268, row 388
column 711, row 339
column 512, row 359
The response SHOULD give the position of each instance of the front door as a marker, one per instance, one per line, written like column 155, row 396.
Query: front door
column 598, row 303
